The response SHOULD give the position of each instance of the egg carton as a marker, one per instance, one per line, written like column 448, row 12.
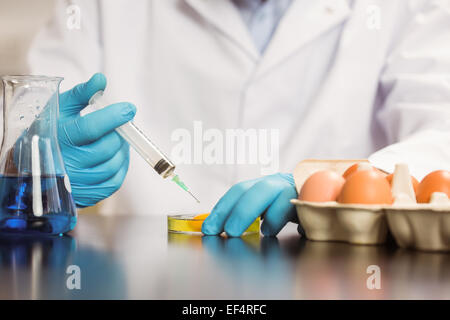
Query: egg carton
column 417, row 226
column 423, row 227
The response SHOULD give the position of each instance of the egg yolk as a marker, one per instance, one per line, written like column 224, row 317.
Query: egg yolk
column 196, row 223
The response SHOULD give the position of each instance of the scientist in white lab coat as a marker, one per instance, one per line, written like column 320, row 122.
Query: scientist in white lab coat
column 327, row 79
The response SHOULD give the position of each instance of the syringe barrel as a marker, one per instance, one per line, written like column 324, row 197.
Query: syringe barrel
column 139, row 141
column 146, row 149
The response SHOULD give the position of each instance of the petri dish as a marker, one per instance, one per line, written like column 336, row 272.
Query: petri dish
column 191, row 223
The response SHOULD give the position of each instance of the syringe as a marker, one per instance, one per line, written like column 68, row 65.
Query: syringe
column 143, row 146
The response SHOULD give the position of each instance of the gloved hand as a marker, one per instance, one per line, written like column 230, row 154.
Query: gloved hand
column 95, row 156
column 244, row 202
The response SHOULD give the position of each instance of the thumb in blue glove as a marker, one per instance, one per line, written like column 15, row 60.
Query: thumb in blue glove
column 95, row 156
column 244, row 202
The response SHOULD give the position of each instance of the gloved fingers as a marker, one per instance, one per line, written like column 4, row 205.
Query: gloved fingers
column 250, row 206
column 215, row 222
column 116, row 181
column 84, row 130
column 104, row 171
column 287, row 177
column 88, row 195
column 93, row 154
column 280, row 212
column 76, row 99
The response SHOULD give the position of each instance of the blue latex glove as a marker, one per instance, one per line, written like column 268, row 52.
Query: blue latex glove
column 244, row 202
column 95, row 156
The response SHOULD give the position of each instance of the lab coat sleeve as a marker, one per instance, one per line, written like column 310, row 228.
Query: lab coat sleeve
column 415, row 94
column 70, row 43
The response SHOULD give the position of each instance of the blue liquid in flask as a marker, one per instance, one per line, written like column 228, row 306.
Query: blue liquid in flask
column 16, row 206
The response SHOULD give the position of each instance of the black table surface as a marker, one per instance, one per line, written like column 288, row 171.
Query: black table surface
column 129, row 257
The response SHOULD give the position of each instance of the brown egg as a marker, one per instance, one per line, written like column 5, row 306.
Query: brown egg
column 322, row 186
column 414, row 181
column 350, row 170
column 366, row 187
column 436, row 181
column 353, row 168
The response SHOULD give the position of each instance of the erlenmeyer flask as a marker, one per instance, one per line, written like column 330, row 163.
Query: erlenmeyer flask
column 35, row 193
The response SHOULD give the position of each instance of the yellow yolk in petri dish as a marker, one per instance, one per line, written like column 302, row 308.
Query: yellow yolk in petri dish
column 196, row 223
column 193, row 224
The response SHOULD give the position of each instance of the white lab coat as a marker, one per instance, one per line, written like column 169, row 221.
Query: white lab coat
column 335, row 81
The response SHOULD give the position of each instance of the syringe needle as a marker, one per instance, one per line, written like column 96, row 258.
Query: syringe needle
column 193, row 196
column 180, row 183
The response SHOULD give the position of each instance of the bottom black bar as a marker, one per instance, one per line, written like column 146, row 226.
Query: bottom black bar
column 221, row 309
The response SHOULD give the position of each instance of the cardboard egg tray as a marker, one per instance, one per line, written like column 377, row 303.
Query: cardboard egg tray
column 416, row 226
